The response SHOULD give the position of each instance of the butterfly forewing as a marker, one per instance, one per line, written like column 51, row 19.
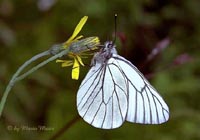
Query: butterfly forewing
column 145, row 104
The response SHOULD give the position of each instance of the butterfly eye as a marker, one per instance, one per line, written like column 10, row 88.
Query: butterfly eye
column 110, row 45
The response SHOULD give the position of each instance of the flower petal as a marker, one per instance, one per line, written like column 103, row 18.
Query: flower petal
column 77, row 29
column 60, row 61
column 65, row 63
column 75, row 70
column 78, row 37
column 79, row 60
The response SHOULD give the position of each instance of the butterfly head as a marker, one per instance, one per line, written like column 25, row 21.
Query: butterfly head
column 105, row 53
column 109, row 48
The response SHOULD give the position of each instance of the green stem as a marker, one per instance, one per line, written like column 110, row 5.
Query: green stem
column 15, row 77
column 40, row 65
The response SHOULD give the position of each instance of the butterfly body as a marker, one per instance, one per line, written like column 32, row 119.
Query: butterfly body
column 114, row 91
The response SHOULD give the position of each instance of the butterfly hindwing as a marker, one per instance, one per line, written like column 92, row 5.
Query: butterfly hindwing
column 102, row 97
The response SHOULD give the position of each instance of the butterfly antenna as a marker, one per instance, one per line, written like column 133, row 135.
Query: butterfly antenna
column 115, row 29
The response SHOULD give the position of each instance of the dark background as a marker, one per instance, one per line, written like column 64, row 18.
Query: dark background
column 48, row 97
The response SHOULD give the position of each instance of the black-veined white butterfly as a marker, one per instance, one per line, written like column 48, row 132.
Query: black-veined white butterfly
column 114, row 90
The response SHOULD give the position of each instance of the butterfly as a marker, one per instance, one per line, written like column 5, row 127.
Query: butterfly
column 115, row 91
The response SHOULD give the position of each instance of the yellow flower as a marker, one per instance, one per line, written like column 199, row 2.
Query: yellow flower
column 76, row 65
column 78, row 28
column 77, row 59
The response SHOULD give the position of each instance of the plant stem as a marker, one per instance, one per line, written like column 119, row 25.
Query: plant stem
column 40, row 65
column 15, row 77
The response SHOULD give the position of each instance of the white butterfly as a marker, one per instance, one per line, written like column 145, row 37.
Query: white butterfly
column 114, row 90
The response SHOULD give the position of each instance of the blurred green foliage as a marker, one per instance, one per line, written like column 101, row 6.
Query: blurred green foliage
column 48, row 97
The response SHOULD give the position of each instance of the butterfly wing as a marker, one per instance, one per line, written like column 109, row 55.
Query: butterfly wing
column 102, row 96
column 116, row 91
column 145, row 105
